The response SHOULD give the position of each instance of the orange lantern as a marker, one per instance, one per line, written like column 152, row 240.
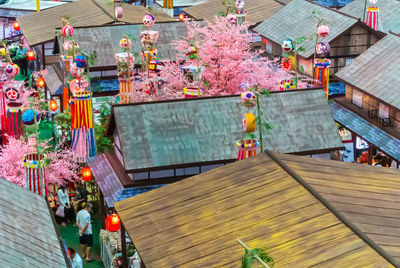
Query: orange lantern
column 181, row 17
column 31, row 55
column 40, row 82
column 113, row 223
column 16, row 26
column 86, row 174
column 53, row 105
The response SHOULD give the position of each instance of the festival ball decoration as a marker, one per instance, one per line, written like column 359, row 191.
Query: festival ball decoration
column 73, row 69
column 192, row 53
column 12, row 70
column 323, row 30
column 125, row 43
column 181, row 17
column 288, row 45
column 373, row 1
column 86, row 174
column 30, row 55
column 149, row 20
column 28, row 117
column 80, row 61
column 248, row 99
column 16, row 26
column 286, row 64
column 40, row 82
column 67, row 31
column 322, row 49
column 232, row 19
column 68, row 46
column 113, row 223
column 53, row 105
column 118, row 12
column 239, row 4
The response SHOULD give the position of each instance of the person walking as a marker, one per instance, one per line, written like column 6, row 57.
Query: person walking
column 76, row 260
column 83, row 221
column 64, row 206
column 21, row 59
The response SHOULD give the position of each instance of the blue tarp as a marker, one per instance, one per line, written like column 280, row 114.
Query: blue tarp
column 334, row 3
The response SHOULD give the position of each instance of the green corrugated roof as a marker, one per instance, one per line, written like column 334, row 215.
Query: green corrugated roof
column 295, row 20
column 203, row 130
column 389, row 13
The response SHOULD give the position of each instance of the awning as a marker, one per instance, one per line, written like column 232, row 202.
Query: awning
column 376, row 136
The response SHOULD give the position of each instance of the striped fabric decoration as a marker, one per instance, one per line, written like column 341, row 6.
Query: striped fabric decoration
column 125, row 89
column 15, row 126
column 83, row 143
column 169, row 4
column 372, row 17
column 32, row 181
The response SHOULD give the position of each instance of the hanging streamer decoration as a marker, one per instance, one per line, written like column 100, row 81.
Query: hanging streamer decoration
column 83, row 144
column 322, row 74
column 33, row 173
column 12, row 91
column 287, row 84
column 373, row 17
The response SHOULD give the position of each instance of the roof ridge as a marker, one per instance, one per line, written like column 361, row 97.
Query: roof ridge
column 105, row 11
column 343, row 219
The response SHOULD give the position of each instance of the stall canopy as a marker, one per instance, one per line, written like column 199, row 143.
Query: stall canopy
column 256, row 10
column 374, row 135
column 281, row 25
column 106, row 38
column 388, row 13
column 265, row 201
column 205, row 130
column 381, row 62
column 28, row 237
column 96, row 12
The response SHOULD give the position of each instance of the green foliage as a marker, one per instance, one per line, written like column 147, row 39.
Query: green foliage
column 249, row 258
column 103, row 143
column 63, row 120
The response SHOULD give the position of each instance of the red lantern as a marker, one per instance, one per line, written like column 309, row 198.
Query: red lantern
column 86, row 174
column 53, row 105
column 181, row 17
column 16, row 26
column 31, row 55
column 40, row 82
column 113, row 223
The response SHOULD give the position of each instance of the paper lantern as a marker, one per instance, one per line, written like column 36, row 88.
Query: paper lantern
column 113, row 223
column 118, row 12
column 249, row 122
column 53, row 105
column 31, row 55
column 149, row 20
column 288, row 45
column 12, row 70
column 181, row 17
column 125, row 43
column 322, row 49
column 86, row 174
column 16, row 26
column 67, row 31
column 40, row 82
column 323, row 30
column 248, row 99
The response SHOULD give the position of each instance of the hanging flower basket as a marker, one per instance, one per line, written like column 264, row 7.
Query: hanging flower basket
column 247, row 148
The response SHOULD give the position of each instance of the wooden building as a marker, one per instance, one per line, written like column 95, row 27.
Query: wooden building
column 388, row 13
column 256, row 10
column 348, row 37
column 28, row 235
column 178, row 5
column 372, row 96
column 157, row 143
column 289, row 204
column 41, row 33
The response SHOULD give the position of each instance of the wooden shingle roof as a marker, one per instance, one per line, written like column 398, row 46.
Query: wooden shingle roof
column 105, row 39
column 256, row 10
column 389, row 19
column 195, row 222
column 376, row 71
column 173, row 133
column 79, row 13
column 368, row 196
column 27, row 234
column 53, row 81
column 282, row 24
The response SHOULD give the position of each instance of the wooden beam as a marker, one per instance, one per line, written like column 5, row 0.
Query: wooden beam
column 123, row 247
column 102, row 211
column 43, row 56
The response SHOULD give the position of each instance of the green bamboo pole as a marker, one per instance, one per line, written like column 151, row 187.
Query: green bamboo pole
column 259, row 121
column 248, row 249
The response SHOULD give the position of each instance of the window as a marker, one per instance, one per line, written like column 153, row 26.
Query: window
column 383, row 111
column 162, row 174
column 268, row 47
column 348, row 61
column 357, row 98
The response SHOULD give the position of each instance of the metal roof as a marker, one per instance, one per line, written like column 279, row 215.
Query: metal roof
column 27, row 235
column 295, row 20
column 195, row 222
column 389, row 19
column 376, row 71
column 180, row 132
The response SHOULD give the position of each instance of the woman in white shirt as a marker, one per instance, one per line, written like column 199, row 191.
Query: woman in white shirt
column 63, row 200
